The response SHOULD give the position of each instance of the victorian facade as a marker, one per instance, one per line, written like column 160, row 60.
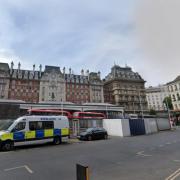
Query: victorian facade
column 77, row 87
column 96, row 87
column 174, row 91
column 49, row 85
column 125, row 88
column 155, row 97
column 4, row 80
column 24, row 84
column 52, row 85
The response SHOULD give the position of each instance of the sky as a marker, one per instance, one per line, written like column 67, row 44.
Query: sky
column 94, row 35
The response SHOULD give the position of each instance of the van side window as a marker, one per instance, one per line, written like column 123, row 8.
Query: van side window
column 48, row 124
column 20, row 126
column 35, row 125
column 39, row 125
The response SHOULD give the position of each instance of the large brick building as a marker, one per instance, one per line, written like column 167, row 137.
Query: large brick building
column 24, row 84
column 49, row 85
column 125, row 88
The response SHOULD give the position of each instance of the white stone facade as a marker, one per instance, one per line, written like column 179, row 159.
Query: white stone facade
column 96, row 88
column 174, row 91
column 4, row 80
column 155, row 97
column 52, row 85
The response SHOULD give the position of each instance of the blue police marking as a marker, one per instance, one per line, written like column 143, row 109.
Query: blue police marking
column 18, row 136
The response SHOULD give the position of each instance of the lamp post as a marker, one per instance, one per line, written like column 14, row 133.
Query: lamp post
column 141, row 105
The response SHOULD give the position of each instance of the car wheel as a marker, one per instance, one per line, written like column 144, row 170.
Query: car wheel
column 7, row 146
column 57, row 140
column 89, row 138
column 105, row 136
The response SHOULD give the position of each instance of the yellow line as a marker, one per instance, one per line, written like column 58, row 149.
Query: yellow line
column 87, row 173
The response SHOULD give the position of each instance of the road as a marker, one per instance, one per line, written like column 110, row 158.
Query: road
column 132, row 158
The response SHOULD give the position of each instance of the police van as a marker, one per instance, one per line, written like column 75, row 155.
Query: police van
column 33, row 129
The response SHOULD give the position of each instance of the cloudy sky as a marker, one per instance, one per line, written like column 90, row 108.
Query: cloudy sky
column 143, row 34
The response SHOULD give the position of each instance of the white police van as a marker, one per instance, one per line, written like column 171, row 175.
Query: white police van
column 33, row 129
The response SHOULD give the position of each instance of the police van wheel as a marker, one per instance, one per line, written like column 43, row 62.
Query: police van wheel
column 57, row 140
column 7, row 146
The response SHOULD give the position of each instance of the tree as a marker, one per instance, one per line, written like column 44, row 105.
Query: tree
column 168, row 102
column 152, row 112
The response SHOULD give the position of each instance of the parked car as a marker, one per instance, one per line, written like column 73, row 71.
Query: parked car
column 93, row 134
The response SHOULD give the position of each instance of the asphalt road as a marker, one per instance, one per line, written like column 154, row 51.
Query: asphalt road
column 151, row 157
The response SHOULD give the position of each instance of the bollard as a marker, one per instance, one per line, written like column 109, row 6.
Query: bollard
column 82, row 172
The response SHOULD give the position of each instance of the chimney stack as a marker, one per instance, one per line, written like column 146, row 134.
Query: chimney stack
column 82, row 72
column 19, row 66
column 40, row 70
column 12, row 65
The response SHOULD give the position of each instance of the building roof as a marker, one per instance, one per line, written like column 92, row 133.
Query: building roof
column 175, row 80
column 123, row 73
column 4, row 67
column 52, row 68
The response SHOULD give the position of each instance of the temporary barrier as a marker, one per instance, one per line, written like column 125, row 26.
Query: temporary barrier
column 117, row 127
column 163, row 124
column 137, row 127
column 150, row 126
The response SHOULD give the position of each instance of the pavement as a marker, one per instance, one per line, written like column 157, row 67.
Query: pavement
column 149, row 157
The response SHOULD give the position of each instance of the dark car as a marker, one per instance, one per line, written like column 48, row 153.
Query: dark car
column 93, row 134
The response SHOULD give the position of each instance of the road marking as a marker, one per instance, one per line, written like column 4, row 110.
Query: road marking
column 4, row 153
column 175, row 141
column 176, row 160
column 161, row 145
column 174, row 175
column 168, row 143
column 19, row 167
column 141, row 153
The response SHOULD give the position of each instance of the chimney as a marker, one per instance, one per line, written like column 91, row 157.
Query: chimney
column 64, row 70
column 99, row 74
column 82, row 72
column 87, row 72
column 19, row 66
column 12, row 65
column 40, row 70
column 34, row 67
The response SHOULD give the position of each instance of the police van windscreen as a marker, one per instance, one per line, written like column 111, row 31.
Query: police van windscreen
column 5, row 124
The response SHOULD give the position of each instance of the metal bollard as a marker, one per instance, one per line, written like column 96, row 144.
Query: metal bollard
column 82, row 172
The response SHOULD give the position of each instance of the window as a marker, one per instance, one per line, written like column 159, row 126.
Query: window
column 20, row 126
column 38, row 125
column 48, row 125
column 35, row 125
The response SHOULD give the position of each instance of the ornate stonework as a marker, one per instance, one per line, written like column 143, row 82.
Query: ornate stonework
column 125, row 88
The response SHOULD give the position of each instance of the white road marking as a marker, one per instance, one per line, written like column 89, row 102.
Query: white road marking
column 141, row 153
column 19, row 167
column 168, row 143
column 174, row 175
column 161, row 145
column 176, row 160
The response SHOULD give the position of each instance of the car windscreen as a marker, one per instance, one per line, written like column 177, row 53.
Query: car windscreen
column 89, row 129
column 5, row 124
